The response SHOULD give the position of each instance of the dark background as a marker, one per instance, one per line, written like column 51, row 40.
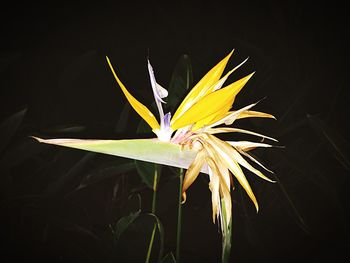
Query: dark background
column 53, row 64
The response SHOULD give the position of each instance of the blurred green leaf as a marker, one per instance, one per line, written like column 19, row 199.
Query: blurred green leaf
column 335, row 144
column 147, row 171
column 72, row 173
column 9, row 127
column 137, row 220
column 74, row 227
column 124, row 222
column 181, row 81
column 20, row 151
column 169, row 258
column 65, row 129
column 106, row 172
column 123, row 118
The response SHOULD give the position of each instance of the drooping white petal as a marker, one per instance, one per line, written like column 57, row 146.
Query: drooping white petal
column 253, row 159
column 225, row 130
column 193, row 171
column 214, row 186
column 224, row 151
column 247, row 144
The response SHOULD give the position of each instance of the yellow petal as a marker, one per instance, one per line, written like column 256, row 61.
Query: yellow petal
column 212, row 118
column 222, row 113
column 257, row 114
column 141, row 109
column 201, row 87
column 210, row 104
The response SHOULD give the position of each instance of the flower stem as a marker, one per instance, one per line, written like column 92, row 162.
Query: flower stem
column 150, row 244
column 179, row 216
column 154, row 198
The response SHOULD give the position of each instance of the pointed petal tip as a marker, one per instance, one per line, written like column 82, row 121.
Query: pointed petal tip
column 270, row 180
column 229, row 55
column 184, row 198
column 256, row 206
column 37, row 139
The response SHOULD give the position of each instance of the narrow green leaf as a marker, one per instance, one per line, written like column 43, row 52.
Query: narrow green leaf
column 123, row 119
column 72, row 173
column 181, row 81
column 124, row 222
column 9, row 127
column 161, row 235
column 104, row 173
column 135, row 220
column 169, row 258
column 66, row 129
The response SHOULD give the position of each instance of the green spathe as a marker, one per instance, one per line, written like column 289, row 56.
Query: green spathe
column 148, row 150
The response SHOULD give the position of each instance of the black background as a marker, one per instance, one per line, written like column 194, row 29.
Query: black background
column 53, row 64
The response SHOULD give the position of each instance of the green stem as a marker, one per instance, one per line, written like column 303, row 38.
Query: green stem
column 150, row 244
column 226, row 235
column 179, row 216
column 154, row 198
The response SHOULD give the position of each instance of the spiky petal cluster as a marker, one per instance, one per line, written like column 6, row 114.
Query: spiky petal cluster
column 207, row 106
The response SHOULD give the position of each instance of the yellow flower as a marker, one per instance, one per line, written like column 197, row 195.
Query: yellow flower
column 194, row 125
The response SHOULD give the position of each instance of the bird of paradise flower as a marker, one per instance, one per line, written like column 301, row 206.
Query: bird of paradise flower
column 187, row 139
